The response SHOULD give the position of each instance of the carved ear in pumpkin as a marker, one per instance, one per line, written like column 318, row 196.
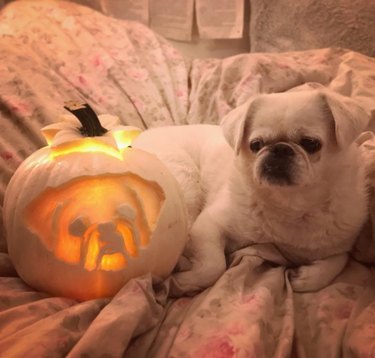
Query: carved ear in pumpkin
column 235, row 123
column 348, row 117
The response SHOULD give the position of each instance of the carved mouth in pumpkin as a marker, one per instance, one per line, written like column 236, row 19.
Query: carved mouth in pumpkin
column 98, row 222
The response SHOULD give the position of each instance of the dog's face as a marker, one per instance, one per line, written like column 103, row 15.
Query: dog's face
column 293, row 138
column 288, row 141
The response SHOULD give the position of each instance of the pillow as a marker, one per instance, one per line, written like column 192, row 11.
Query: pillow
column 289, row 25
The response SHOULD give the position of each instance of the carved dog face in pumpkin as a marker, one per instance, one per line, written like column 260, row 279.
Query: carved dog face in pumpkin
column 86, row 222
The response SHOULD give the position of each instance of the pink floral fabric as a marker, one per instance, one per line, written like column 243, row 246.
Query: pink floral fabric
column 55, row 51
column 217, row 86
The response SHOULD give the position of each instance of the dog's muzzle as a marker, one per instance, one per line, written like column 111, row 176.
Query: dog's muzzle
column 277, row 165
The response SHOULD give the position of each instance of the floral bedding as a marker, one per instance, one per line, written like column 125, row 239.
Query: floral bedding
column 56, row 51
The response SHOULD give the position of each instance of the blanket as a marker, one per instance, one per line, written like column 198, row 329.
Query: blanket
column 56, row 51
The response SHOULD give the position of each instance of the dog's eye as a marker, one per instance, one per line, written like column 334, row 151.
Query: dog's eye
column 256, row 145
column 310, row 145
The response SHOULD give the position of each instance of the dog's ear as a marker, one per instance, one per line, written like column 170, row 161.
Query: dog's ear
column 235, row 122
column 349, row 118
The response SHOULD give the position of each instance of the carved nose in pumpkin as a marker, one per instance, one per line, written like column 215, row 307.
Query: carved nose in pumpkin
column 106, row 229
column 110, row 238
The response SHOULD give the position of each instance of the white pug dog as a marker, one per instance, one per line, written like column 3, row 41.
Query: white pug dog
column 283, row 169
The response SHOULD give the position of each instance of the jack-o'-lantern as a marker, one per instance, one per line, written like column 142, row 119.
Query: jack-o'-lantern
column 87, row 212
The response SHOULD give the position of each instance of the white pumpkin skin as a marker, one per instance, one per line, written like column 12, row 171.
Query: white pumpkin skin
column 36, row 262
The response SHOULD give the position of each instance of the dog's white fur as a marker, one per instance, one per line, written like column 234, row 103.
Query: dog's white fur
column 313, row 222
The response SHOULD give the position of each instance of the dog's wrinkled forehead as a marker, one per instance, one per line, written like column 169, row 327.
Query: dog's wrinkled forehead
column 282, row 117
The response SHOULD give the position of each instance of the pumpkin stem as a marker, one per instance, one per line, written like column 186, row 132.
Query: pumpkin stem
column 91, row 126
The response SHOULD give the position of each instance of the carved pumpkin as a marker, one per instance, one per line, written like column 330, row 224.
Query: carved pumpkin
column 86, row 213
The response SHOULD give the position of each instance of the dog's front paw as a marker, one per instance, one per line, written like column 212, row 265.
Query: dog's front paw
column 198, row 277
column 319, row 274
column 306, row 279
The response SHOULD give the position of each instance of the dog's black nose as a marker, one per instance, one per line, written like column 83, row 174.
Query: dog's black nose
column 282, row 150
